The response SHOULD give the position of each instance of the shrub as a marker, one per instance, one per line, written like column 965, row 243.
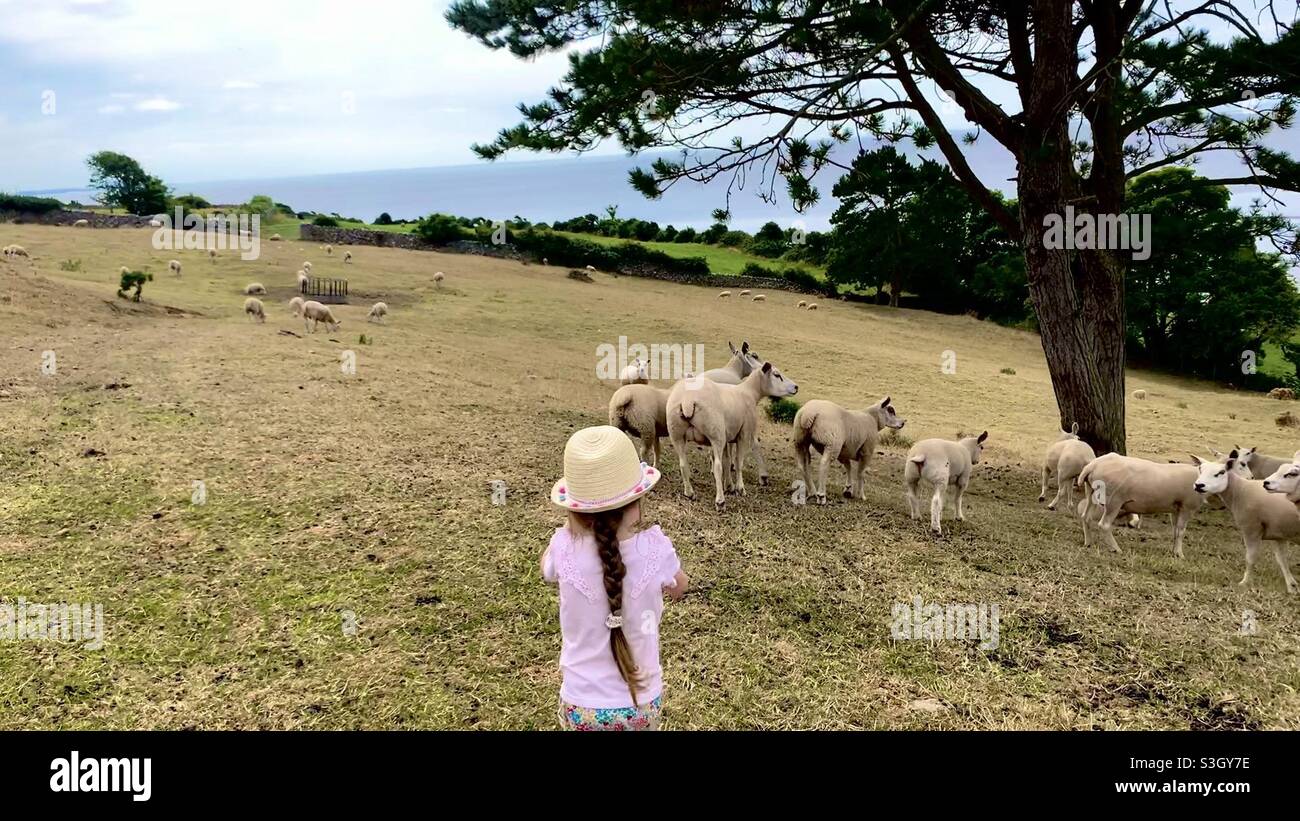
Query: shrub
column 130, row 280
column 668, row 234
column 384, row 219
column 34, row 205
column 686, row 235
column 440, row 229
column 1287, row 420
column 577, row 253
column 70, row 265
column 893, row 440
column 733, row 239
column 782, row 410
column 188, row 201
column 325, row 222
column 1009, row 371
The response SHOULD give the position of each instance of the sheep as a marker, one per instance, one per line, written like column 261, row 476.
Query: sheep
column 724, row 294
column 329, row 250
column 306, row 266
column 175, row 267
column 124, row 270
column 545, row 261
column 642, row 411
column 636, row 373
column 155, row 224
column 347, row 258
column 1281, row 393
column 847, row 435
column 438, row 277
column 1257, row 513
column 803, row 303
column 812, row 306
column 275, row 238
column 1286, row 479
column 1139, row 394
column 295, row 306
column 704, row 412
column 1065, row 458
column 254, row 308
column 377, row 312
column 303, row 281
column 255, row 288
column 760, row 298
column 14, row 251
column 212, row 255
column 1125, row 484
column 1260, row 465
column 746, row 292
column 81, row 224
column 742, row 363
column 942, row 463
column 315, row 313
column 591, row 267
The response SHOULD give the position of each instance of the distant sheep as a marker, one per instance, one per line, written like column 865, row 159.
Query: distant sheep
column 377, row 313
column 746, row 292
column 314, row 313
column 637, row 373
column 329, row 250
column 306, row 266
column 255, row 288
column 347, row 257
column 175, row 267
column 545, row 261
column 81, row 224
column 1281, row 393
column 803, row 303
column 303, row 281
column 155, row 224
column 760, row 298
column 812, row 306
column 275, row 238
column 438, row 277
column 591, row 267
column 295, row 306
column 254, row 308
column 724, row 293
column 13, row 251
column 1139, row 394
column 212, row 255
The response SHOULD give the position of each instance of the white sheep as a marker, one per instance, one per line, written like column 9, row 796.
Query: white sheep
column 1065, row 460
column 812, row 306
column 306, row 266
column 329, row 250
column 636, row 373
column 1139, row 394
column 591, row 267
column 760, row 298
column 836, row 432
column 545, row 261
column 254, row 308
column 212, row 255
column 303, row 281
column 1260, row 465
column 803, row 303
column 724, row 294
column 175, row 267
column 743, row 362
column 295, row 306
column 1257, row 513
column 13, row 251
column 377, row 312
column 275, row 238
column 942, row 463
column 255, row 288
column 315, row 313
column 81, row 224
column 1119, row 485
column 124, row 270
column 704, row 412
column 438, row 277
column 347, row 257
column 155, row 224
column 1286, row 479
column 642, row 411
column 746, row 292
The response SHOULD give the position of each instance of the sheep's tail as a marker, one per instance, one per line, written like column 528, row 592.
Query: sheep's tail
column 918, row 460
column 1081, row 481
column 687, row 408
column 806, row 421
column 618, row 414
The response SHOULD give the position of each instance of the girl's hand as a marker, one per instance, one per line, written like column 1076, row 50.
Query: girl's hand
column 678, row 589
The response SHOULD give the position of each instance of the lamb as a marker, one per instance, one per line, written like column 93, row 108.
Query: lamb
column 306, row 266
column 1260, row 465
column 438, row 277
column 942, row 463
column 847, row 435
column 642, row 411
column 255, row 288
column 545, row 261
column 760, row 298
column 745, row 292
column 591, row 267
column 295, row 306
column 637, row 373
column 14, row 251
column 1065, row 459
column 724, row 294
column 377, row 312
column 1281, row 393
column 303, row 281
column 1286, row 479
column 175, row 267
column 315, row 313
column 704, row 412
column 1139, row 394
column 803, row 303
column 347, row 257
column 254, row 308
column 212, row 255
column 329, row 250
column 276, row 238
column 1257, row 513
column 812, row 306
column 1125, row 484
column 155, row 224
column 81, row 224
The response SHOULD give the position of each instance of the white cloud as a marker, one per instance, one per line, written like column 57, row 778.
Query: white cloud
column 157, row 104
column 111, row 109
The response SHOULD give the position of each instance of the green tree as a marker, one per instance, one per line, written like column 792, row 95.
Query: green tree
column 1084, row 94
column 120, row 182
column 384, row 219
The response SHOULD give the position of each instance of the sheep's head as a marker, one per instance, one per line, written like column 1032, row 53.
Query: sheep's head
column 975, row 444
column 774, row 384
column 1286, row 479
column 749, row 360
column 1212, row 477
column 886, row 415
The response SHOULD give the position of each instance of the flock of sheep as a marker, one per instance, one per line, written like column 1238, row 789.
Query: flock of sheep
column 803, row 303
column 717, row 410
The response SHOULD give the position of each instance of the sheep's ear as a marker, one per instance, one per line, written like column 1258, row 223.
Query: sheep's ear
column 1074, row 428
column 732, row 347
column 767, row 367
column 1196, row 460
column 982, row 437
column 1296, row 458
column 1232, row 455
column 1230, row 463
column 744, row 346
column 884, row 403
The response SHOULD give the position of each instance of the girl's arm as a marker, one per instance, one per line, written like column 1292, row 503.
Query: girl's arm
column 541, row 564
column 680, row 583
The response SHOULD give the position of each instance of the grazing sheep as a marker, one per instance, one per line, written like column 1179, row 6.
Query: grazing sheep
column 329, row 250
column 295, row 306
column 347, row 257
column 1139, row 394
column 212, row 255
column 704, row 412
column 1281, row 393
column 803, row 303
column 746, row 292
column 760, row 298
column 1261, row 466
column 1065, row 459
column 255, row 288
column 545, row 261
column 1257, row 513
column 377, row 312
column 724, row 294
column 1118, row 485
column 637, row 373
column 254, row 308
column 942, row 463
column 14, row 251
column 314, row 313
column 303, row 281
column 306, row 266
column 276, row 238
column 81, row 224
column 591, row 267
column 155, row 224
column 175, row 267
column 438, row 277
column 642, row 411
column 839, row 433
column 812, row 306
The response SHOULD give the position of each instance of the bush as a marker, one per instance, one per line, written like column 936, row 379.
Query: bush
column 34, row 205
column 734, row 239
column 70, row 265
column 188, row 201
column 384, row 219
column 1008, row 371
column 686, row 235
column 891, row 439
column 577, row 253
column 440, row 229
column 325, row 222
column 782, row 410
column 130, row 280
column 668, row 234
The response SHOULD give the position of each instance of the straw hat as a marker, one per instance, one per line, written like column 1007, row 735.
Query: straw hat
column 601, row 472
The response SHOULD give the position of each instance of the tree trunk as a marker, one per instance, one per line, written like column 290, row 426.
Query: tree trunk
column 894, row 288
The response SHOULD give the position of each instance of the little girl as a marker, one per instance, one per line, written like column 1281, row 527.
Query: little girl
column 612, row 577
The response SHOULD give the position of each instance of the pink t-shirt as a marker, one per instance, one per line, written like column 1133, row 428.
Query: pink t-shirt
column 590, row 675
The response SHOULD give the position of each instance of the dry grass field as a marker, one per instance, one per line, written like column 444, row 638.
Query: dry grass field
column 330, row 494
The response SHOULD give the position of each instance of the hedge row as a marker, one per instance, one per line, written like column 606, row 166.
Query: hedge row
column 576, row 253
column 28, row 205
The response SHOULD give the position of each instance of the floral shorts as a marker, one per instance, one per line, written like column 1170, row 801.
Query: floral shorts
column 645, row 717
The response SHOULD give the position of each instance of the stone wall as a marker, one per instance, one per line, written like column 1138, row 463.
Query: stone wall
column 68, row 217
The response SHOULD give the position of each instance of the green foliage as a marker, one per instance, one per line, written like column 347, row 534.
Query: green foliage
column 325, row 221
column 121, row 183
column 70, row 265
column 384, row 219
column 261, row 205
column 29, row 205
column 1008, row 371
column 798, row 276
column 686, row 235
column 133, row 280
column 782, row 410
column 190, row 201
column 440, row 229
column 577, row 253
